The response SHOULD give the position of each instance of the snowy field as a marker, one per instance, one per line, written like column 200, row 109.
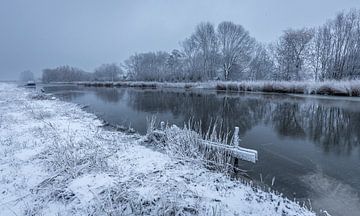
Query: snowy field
column 55, row 159
column 337, row 88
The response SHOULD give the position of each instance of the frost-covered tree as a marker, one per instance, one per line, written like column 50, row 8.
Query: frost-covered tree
column 261, row 66
column 149, row 66
column 345, row 45
column 291, row 52
column 108, row 72
column 26, row 76
column 202, row 48
column 336, row 48
column 175, row 66
column 236, row 48
column 192, row 60
column 320, row 54
column 65, row 74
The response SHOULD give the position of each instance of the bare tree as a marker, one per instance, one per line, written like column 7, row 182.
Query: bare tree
column 192, row 60
column 204, row 43
column 346, row 34
column 65, row 74
column 175, row 66
column 236, row 47
column 151, row 66
column 108, row 72
column 336, row 48
column 291, row 53
column 261, row 66
column 320, row 54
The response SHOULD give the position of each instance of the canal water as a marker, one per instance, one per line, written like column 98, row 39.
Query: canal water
column 309, row 146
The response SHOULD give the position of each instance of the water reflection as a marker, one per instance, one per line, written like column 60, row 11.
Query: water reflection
column 287, row 120
column 72, row 96
column 110, row 95
column 334, row 128
column 204, row 107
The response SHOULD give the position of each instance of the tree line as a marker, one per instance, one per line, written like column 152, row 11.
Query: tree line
column 105, row 72
column 228, row 52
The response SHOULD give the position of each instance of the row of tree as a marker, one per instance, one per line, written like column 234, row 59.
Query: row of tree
column 331, row 51
column 335, row 48
column 228, row 52
column 106, row 72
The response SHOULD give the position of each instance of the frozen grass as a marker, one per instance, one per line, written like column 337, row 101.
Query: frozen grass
column 336, row 88
column 56, row 159
column 189, row 143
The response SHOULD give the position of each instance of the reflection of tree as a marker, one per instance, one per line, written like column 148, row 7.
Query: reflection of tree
column 110, row 95
column 333, row 127
column 336, row 129
column 287, row 120
column 207, row 108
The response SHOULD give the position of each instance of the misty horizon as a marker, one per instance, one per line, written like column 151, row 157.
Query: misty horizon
column 38, row 35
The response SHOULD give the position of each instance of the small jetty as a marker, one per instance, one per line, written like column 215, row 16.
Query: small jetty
column 30, row 84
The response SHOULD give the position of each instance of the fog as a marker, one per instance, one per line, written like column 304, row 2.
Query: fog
column 86, row 33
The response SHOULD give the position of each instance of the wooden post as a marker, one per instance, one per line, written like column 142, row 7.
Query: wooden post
column 236, row 141
column 162, row 125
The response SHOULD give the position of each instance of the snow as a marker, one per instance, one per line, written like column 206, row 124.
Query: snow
column 56, row 159
column 85, row 187
column 27, row 154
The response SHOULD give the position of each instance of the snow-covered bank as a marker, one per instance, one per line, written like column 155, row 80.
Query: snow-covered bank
column 56, row 160
column 338, row 88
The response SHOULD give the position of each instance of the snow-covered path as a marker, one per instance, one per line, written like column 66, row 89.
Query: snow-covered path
column 56, row 160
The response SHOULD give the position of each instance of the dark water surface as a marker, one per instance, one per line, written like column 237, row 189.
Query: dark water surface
column 309, row 145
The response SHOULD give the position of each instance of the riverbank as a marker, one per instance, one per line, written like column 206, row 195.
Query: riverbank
column 335, row 88
column 56, row 159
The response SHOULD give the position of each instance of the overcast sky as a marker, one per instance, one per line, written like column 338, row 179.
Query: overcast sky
column 36, row 34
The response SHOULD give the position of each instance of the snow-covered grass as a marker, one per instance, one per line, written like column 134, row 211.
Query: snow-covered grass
column 187, row 144
column 214, row 148
column 56, row 159
column 338, row 88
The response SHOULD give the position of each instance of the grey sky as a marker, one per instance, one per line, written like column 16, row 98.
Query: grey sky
column 35, row 34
